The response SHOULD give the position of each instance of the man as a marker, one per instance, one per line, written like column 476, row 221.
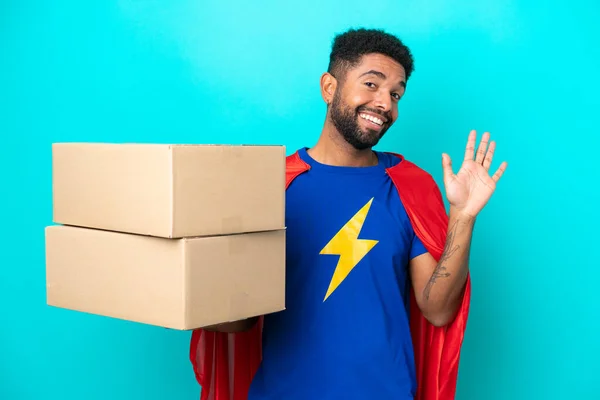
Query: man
column 367, row 234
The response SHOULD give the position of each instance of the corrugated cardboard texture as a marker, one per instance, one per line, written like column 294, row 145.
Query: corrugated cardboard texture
column 169, row 191
column 174, row 283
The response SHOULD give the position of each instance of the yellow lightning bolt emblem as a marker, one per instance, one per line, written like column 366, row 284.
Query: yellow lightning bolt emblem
column 349, row 247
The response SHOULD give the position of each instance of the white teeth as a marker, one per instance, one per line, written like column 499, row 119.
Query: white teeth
column 371, row 118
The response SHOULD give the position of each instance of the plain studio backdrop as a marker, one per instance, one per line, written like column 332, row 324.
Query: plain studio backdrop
column 248, row 72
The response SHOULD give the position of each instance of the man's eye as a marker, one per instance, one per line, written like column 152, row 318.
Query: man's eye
column 370, row 84
column 396, row 96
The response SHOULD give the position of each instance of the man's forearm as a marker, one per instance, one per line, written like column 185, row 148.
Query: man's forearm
column 443, row 292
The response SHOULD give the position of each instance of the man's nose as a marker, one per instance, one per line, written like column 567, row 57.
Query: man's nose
column 383, row 102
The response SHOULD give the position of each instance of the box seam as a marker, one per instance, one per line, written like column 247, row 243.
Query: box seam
column 53, row 151
column 184, row 282
column 172, row 160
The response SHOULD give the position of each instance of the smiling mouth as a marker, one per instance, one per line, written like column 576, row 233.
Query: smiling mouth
column 372, row 119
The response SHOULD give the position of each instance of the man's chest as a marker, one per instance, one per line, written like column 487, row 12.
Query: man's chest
column 334, row 236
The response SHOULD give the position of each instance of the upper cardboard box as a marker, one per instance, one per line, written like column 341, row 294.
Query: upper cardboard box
column 170, row 191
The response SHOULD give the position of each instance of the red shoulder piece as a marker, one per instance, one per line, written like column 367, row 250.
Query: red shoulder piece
column 294, row 166
column 225, row 363
column 437, row 350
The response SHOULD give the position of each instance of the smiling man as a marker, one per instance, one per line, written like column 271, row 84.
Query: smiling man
column 375, row 270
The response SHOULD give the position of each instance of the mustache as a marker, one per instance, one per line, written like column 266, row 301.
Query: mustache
column 386, row 115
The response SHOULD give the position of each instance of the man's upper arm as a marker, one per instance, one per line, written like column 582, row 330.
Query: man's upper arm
column 421, row 268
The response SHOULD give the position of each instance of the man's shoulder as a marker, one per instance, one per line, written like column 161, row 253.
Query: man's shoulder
column 407, row 167
column 295, row 162
column 294, row 167
column 294, row 156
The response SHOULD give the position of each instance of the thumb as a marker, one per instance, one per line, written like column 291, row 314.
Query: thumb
column 447, row 166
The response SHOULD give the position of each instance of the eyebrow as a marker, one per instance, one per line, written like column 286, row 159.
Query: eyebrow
column 380, row 75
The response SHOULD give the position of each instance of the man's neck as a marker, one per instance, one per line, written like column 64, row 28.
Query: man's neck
column 332, row 149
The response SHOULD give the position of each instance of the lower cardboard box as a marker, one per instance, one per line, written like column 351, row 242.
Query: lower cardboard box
column 180, row 284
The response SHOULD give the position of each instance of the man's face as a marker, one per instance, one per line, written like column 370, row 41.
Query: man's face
column 365, row 105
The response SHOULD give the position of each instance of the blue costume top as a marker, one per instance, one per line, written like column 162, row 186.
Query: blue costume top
column 345, row 332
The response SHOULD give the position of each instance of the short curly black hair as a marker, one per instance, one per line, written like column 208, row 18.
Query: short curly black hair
column 348, row 48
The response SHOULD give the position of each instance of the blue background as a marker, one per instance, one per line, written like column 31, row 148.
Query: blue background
column 185, row 71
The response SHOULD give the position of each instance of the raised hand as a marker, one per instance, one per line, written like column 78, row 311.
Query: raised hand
column 469, row 190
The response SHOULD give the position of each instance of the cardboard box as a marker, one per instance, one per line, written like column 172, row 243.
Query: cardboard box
column 171, row 191
column 175, row 283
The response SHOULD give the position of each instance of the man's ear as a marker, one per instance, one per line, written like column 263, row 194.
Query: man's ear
column 328, row 87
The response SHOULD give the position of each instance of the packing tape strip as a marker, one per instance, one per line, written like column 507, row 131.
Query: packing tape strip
column 237, row 244
column 233, row 224
column 237, row 151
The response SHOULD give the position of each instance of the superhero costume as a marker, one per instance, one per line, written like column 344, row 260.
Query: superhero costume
column 225, row 364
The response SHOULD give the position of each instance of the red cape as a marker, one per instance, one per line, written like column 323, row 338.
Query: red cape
column 225, row 364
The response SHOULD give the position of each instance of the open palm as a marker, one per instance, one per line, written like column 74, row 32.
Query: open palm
column 470, row 189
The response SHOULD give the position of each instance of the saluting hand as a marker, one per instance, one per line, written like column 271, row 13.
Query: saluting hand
column 469, row 190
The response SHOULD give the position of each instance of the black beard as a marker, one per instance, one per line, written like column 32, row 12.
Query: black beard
column 346, row 122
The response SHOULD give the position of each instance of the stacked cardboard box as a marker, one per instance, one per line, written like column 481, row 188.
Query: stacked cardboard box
column 179, row 236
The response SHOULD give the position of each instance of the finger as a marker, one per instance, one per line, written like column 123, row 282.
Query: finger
column 447, row 166
column 470, row 150
column 489, row 156
column 482, row 148
column 499, row 172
